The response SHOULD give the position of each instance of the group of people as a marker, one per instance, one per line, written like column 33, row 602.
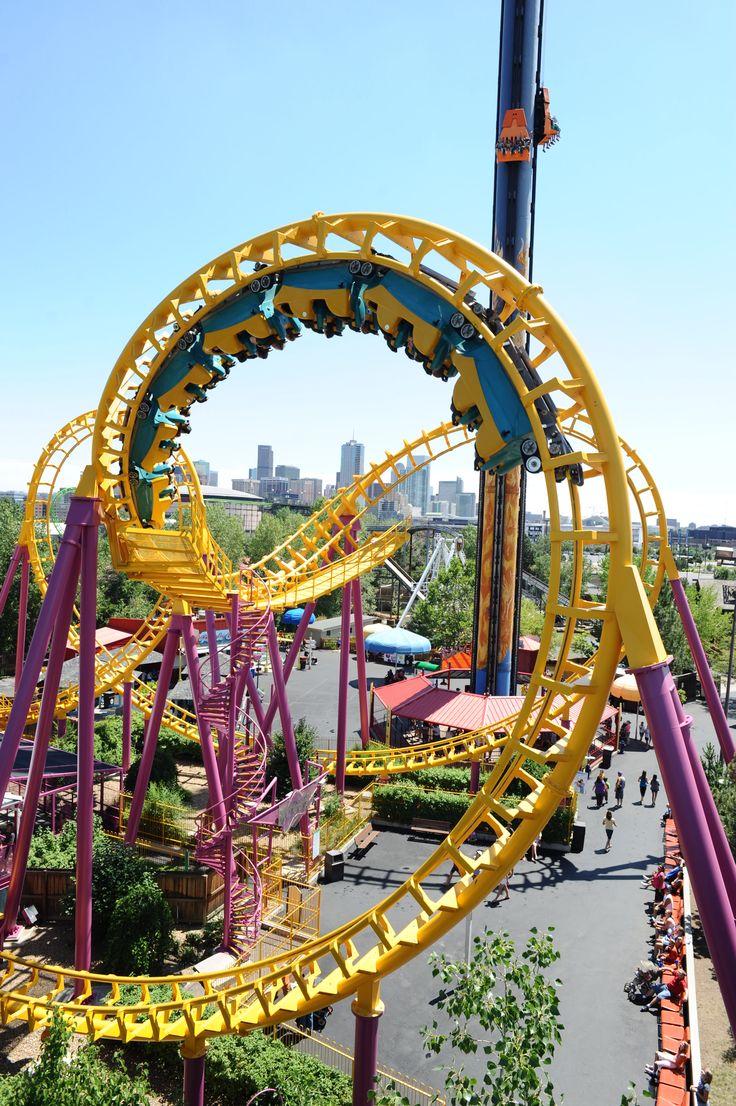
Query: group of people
column 664, row 976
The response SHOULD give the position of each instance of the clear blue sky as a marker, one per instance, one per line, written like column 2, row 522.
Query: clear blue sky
column 143, row 139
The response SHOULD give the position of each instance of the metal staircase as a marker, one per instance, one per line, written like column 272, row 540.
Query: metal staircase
column 218, row 703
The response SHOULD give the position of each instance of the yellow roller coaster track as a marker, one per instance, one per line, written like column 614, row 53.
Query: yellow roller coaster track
column 357, row 955
column 304, row 571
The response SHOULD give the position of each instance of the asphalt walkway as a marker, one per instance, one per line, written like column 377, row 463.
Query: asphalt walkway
column 597, row 907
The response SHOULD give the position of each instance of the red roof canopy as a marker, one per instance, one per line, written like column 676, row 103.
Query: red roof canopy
column 421, row 701
column 460, row 660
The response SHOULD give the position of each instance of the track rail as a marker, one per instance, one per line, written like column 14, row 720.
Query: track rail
column 380, row 941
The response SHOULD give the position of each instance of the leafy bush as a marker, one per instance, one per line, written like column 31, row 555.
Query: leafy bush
column 140, row 929
column 59, row 851
column 116, row 869
column 200, row 943
column 402, row 802
column 441, row 779
column 278, row 765
column 164, row 813
column 60, row 1080
column 331, row 806
column 238, row 1067
column 163, row 769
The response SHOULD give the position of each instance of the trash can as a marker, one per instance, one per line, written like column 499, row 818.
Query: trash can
column 334, row 866
column 606, row 758
column 578, row 837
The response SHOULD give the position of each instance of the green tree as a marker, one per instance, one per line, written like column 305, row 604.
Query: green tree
column 139, row 936
column 278, row 765
column 446, row 615
column 228, row 532
column 511, row 999
column 61, row 1079
column 11, row 517
column 713, row 626
column 272, row 530
column 531, row 619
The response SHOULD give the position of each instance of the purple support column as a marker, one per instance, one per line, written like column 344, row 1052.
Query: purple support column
column 658, row 695
column 287, row 727
column 715, row 825
column 367, row 1010
column 20, row 642
column 255, row 701
column 717, row 714
column 289, row 663
column 193, row 1074
column 66, row 563
column 127, row 722
column 152, row 731
column 212, row 645
column 9, row 577
column 61, row 728
column 365, row 733
column 184, row 625
column 474, row 777
column 86, row 744
column 38, row 759
column 342, row 694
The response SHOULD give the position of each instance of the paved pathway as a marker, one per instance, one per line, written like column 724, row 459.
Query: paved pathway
column 594, row 901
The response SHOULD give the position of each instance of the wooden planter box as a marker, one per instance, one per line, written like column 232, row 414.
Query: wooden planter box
column 194, row 897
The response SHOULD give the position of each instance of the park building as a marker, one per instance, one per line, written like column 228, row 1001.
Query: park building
column 248, row 509
column 251, row 486
column 306, row 490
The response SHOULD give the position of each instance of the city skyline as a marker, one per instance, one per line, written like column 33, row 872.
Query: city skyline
column 603, row 238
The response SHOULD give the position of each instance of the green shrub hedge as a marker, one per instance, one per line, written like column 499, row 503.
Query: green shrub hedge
column 238, row 1067
column 402, row 802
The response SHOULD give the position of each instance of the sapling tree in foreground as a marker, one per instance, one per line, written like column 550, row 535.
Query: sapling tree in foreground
column 501, row 1004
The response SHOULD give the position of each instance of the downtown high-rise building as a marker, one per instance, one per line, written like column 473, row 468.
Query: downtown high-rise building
column 288, row 472
column 449, row 490
column 265, row 462
column 416, row 487
column 352, row 462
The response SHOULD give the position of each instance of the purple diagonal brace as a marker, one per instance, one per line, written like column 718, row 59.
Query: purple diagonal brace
column 34, row 782
column 9, row 577
column 66, row 563
column 712, row 698
column 365, row 732
column 86, row 742
column 152, row 731
column 212, row 646
column 184, row 625
column 342, row 693
column 20, row 644
column 658, row 696
column 289, row 664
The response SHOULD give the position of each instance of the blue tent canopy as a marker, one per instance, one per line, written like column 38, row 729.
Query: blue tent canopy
column 294, row 617
column 397, row 642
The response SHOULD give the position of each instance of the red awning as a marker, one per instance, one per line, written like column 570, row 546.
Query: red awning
column 460, row 660
column 401, row 691
column 421, row 701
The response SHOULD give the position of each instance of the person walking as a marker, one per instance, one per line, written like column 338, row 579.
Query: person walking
column 609, row 824
column 599, row 789
column 618, row 789
column 654, row 787
column 643, row 785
